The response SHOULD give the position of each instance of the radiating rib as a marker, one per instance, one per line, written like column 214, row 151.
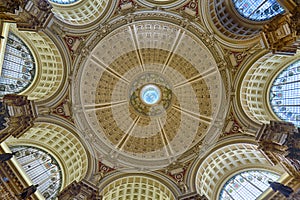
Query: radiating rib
column 133, row 33
column 164, row 138
column 109, row 70
column 177, row 41
column 124, row 139
column 195, row 78
column 194, row 115
column 104, row 105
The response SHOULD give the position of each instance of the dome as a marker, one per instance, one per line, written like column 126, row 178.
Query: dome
column 147, row 93
column 148, row 99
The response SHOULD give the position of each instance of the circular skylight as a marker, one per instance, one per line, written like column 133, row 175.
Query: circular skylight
column 150, row 94
column 285, row 94
column 259, row 10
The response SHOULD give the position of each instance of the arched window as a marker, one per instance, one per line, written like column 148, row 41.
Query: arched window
column 42, row 168
column 64, row 1
column 247, row 185
column 18, row 67
column 258, row 10
column 285, row 94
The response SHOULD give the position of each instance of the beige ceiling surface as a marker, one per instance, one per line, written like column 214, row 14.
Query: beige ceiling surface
column 125, row 131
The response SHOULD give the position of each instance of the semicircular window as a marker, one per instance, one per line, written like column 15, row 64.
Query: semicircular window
column 64, row 1
column 250, row 184
column 258, row 10
column 18, row 67
column 285, row 94
column 42, row 168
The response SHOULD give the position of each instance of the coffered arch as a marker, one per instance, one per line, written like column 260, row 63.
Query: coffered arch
column 227, row 25
column 82, row 12
column 61, row 144
column 137, row 186
column 51, row 67
column 226, row 161
column 253, row 89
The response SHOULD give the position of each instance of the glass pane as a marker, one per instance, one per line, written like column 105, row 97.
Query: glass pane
column 64, row 1
column 42, row 168
column 258, row 10
column 18, row 68
column 285, row 94
column 247, row 185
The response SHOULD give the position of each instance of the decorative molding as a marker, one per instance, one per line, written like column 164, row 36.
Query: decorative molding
column 17, row 116
column 80, row 190
column 32, row 15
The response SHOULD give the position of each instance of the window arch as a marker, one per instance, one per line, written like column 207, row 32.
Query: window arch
column 18, row 69
column 247, row 185
column 42, row 168
column 285, row 94
column 258, row 10
column 64, row 1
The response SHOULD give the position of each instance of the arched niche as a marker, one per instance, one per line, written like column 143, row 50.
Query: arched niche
column 253, row 89
column 60, row 143
column 136, row 186
column 50, row 69
column 225, row 161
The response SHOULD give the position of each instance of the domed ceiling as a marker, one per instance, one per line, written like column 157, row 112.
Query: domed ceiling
column 146, row 92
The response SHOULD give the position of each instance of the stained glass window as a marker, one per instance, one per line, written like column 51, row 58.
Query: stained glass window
column 258, row 10
column 285, row 94
column 42, row 168
column 247, row 185
column 64, row 1
column 18, row 67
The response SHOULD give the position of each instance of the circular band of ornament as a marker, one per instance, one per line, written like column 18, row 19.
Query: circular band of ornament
column 147, row 59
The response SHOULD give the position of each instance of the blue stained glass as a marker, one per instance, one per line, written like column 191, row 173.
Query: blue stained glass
column 258, row 10
column 42, row 168
column 64, row 1
column 18, row 69
column 247, row 185
column 285, row 94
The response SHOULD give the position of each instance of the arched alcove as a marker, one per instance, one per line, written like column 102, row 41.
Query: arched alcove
column 136, row 187
column 253, row 89
column 221, row 164
column 81, row 12
column 42, row 168
column 61, row 144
